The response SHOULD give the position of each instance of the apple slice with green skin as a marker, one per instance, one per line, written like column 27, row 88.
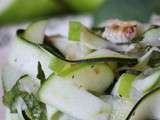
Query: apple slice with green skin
column 70, row 49
column 71, row 99
column 124, row 85
column 121, row 106
column 35, row 32
column 147, row 108
column 147, row 83
column 144, row 83
column 95, row 77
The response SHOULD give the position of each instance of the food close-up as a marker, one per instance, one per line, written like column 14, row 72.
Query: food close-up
column 80, row 60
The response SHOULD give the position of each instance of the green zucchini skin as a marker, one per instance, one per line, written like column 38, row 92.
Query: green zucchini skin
column 129, row 61
column 55, row 52
column 52, row 50
column 133, row 111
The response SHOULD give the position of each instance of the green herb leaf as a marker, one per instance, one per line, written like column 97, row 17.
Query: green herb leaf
column 35, row 109
column 41, row 74
column 11, row 96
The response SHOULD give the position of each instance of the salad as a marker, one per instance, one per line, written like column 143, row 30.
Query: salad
column 109, row 72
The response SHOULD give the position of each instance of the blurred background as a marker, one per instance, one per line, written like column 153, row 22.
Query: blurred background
column 15, row 14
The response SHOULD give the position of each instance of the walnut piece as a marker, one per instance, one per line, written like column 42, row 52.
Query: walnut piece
column 118, row 31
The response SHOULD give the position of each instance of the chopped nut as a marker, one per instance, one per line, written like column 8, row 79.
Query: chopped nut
column 122, row 31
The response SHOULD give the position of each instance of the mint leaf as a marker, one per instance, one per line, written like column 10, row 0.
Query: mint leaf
column 41, row 74
column 11, row 96
column 35, row 109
